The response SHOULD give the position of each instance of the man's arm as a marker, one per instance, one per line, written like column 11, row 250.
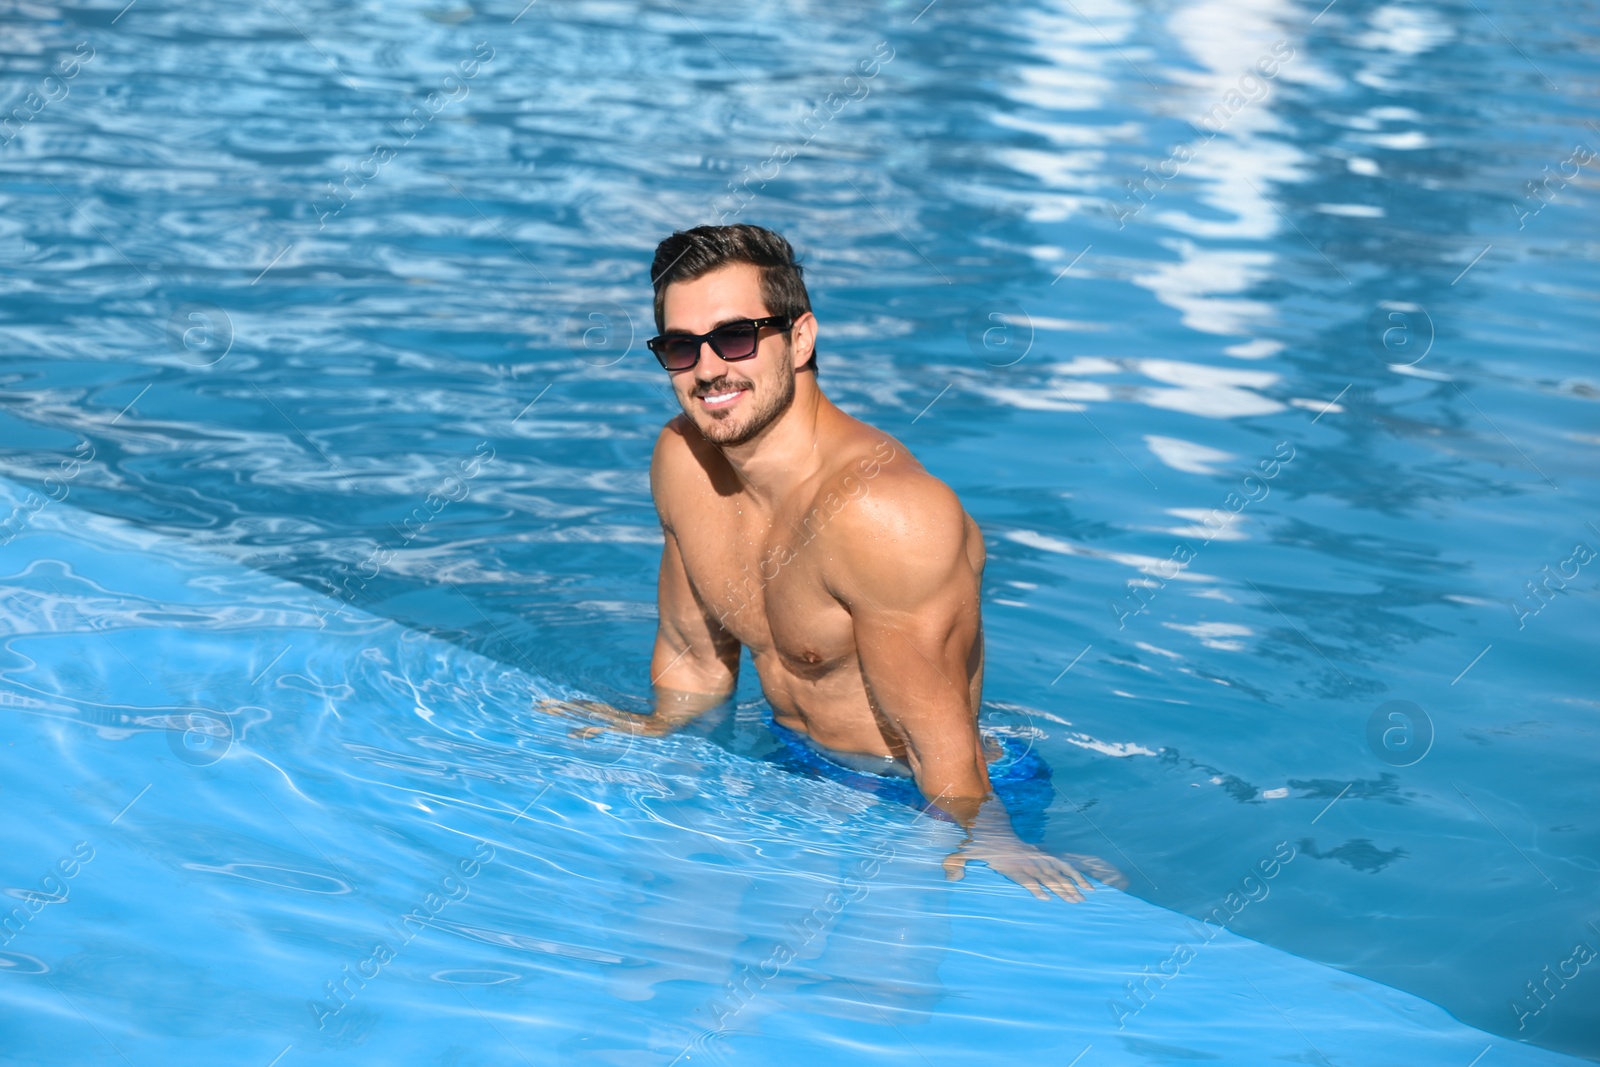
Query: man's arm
column 695, row 663
column 903, row 572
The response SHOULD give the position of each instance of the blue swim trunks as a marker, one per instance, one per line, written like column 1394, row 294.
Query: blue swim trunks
column 1019, row 777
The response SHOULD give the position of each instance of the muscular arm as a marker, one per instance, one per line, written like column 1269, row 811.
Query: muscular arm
column 695, row 662
column 904, row 575
column 904, row 572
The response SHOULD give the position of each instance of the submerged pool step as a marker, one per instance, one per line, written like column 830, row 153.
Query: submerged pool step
column 294, row 828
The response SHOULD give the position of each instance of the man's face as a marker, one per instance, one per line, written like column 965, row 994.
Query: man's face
column 730, row 402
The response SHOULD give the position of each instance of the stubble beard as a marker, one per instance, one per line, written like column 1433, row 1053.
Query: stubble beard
column 765, row 409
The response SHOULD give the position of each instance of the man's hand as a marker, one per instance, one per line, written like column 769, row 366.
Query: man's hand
column 602, row 716
column 1033, row 869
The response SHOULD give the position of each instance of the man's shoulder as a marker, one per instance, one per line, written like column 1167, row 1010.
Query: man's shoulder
column 674, row 435
column 879, row 491
column 680, row 448
column 892, row 532
column 680, row 461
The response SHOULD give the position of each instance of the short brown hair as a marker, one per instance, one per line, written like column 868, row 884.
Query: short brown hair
column 689, row 254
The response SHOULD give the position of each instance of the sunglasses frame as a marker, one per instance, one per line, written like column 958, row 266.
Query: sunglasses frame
column 659, row 343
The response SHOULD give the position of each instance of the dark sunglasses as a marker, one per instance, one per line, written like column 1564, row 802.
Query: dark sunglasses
column 732, row 341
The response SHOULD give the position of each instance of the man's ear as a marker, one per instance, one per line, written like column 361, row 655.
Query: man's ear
column 804, row 338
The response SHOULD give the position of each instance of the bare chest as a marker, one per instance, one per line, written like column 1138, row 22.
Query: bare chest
column 762, row 578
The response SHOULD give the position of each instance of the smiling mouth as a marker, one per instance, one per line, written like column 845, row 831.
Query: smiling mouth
column 723, row 399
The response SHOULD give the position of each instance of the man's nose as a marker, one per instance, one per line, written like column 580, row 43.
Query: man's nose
column 717, row 362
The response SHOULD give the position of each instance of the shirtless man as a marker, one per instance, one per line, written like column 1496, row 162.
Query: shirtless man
column 818, row 543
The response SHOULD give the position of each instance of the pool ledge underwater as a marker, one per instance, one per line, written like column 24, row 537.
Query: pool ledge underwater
column 114, row 635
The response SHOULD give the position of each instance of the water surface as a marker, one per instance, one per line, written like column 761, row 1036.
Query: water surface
column 265, row 296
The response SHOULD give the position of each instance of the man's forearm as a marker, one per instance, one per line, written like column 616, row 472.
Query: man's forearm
column 977, row 815
column 673, row 710
column 677, row 707
column 949, row 769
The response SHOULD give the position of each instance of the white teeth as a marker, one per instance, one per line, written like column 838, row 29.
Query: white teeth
column 720, row 397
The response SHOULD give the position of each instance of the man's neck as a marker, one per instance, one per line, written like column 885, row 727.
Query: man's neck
column 787, row 452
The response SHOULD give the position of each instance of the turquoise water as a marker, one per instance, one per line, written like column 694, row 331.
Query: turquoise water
column 324, row 418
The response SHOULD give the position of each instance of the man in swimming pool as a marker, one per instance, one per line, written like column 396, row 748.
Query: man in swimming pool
column 818, row 543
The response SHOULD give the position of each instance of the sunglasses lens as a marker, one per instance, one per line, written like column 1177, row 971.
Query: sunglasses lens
column 737, row 340
column 679, row 353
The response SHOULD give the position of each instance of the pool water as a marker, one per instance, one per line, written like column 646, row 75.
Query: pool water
column 1257, row 337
